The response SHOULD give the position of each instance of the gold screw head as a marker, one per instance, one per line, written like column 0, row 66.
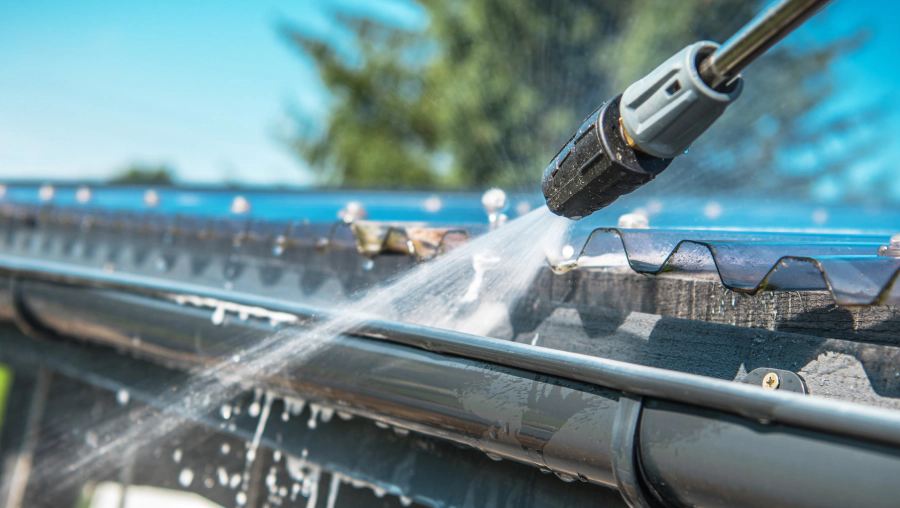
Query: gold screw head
column 771, row 381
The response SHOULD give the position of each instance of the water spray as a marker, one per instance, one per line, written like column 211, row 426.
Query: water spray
column 633, row 137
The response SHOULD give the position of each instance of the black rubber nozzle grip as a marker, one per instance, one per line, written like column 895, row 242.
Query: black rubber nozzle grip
column 596, row 166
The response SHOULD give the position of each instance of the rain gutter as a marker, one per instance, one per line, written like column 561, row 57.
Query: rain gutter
column 662, row 438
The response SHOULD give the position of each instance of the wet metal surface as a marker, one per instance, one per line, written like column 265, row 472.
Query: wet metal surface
column 70, row 309
column 733, row 463
column 173, row 287
column 845, row 263
column 378, row 467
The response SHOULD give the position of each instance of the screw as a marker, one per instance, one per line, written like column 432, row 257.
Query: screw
column 771, row 381
column 892, row 249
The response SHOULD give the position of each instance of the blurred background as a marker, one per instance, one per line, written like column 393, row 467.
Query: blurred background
column 437, row 95
column 428, row 94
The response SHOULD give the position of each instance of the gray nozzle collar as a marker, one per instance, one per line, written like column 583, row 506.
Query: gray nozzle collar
column 667, row 110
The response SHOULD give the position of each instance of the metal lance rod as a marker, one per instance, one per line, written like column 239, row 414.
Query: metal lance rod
column 632, row 138
column 755, row 38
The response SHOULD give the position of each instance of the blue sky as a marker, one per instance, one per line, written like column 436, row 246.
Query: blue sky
column 89, row 87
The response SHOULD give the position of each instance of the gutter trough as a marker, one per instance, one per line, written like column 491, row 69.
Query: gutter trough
column 660, row 437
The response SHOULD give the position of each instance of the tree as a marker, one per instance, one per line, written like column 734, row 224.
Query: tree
column 488, row 92
column 139, row 174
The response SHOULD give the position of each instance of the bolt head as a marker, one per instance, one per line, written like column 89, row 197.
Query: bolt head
column 240, row 205
column 151, row 198
column 353, row 211
column 494, row 201
column 83, row 195
column 771, row 381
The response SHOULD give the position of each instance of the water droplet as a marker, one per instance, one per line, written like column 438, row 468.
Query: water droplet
column 225, row 411
column 568, row 251
column 294, row 406
column 314, row 410
column 161, row 264
column 186, row 477
column 223, row 475
column 278, row 248
column 494, row 456
column 236, row 359
column 240, row 498
column 226, row 448
column 565, row 477
column 276, row 456
column 209, row 483
column 235, row 481
column 401, row 432
column 218, row 316
column 254, row 409
column 176, row 455
column 343, row 415
column 90, row 438
column 406, row 501
column 382, row 425
column 368, row 264
column 122, row 397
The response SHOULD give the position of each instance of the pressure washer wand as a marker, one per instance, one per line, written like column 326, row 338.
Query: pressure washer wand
column 633, row 137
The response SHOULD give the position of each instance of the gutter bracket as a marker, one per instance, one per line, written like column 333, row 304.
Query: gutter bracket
column 625, row 460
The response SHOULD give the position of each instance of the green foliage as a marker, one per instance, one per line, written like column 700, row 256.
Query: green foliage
column 138, row 174
column 5, row 383
column 491, row 88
